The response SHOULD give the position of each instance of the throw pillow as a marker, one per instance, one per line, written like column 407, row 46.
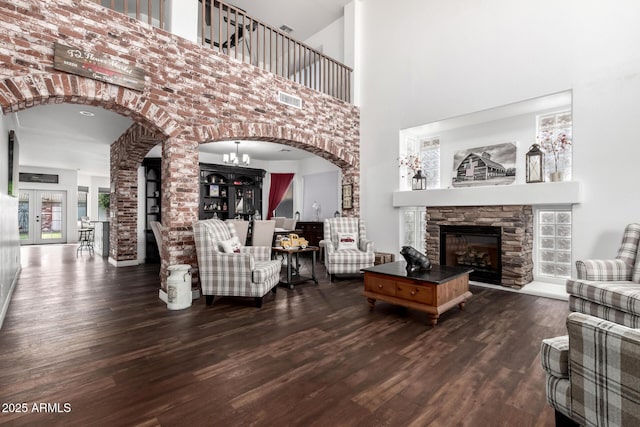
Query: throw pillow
column 347, row 241
column 230, row 246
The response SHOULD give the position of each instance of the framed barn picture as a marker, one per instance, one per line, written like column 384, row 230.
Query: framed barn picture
column 486, row 165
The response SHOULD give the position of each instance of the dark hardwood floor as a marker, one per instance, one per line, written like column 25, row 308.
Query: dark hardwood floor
column 84, row 333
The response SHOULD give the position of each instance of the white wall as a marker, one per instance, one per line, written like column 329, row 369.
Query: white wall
column 329, row 40
column 452, row 58
column 10, row 247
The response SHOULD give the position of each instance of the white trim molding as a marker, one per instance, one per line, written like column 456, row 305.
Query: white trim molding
column 545, row 193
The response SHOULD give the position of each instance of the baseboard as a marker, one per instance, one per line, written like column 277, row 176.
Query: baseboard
column 128, row 263
column 5, row 306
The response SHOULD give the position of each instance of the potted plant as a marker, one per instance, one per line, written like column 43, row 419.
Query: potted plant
column 556, row 145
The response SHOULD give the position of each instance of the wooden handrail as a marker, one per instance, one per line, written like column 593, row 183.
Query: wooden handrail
column 232, row 32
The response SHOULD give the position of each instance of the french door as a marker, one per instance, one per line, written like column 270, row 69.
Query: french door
column 42, row 216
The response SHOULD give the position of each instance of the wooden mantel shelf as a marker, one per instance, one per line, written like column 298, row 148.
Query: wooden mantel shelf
column 544, row 193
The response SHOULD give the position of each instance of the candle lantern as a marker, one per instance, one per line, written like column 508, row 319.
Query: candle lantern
column 535, row 162
column 419, row 181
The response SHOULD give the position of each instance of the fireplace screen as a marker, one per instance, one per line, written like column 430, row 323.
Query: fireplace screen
column 477, row 247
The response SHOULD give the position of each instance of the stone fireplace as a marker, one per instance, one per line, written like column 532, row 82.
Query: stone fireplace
column 473, row 246
column 512, row 223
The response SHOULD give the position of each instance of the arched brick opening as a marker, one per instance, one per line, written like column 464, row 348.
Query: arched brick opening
column 151, row 126
column 348, row 160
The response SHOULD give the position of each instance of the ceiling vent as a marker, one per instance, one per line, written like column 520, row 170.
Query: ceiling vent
column 290, row 100
column 285, row 28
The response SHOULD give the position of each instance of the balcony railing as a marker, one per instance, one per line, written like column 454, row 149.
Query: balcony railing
column 231, row 31
column 153, row 13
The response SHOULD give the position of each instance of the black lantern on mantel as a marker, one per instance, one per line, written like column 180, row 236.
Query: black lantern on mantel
column 419, row 181
column 535, row 162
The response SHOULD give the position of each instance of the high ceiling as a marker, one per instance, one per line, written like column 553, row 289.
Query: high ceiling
column 82, row 142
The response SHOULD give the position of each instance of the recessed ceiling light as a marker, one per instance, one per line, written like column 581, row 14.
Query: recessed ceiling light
column 87, row 113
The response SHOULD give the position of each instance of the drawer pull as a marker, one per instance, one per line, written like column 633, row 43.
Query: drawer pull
column 379, row 286
column 413, row 293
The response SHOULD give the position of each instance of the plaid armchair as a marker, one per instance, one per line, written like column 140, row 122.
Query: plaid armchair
column 593, row 374
column 340, row 260
column 610, row 289
column 249, row 273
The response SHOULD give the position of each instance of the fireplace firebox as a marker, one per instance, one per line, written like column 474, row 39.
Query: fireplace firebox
column 477, row 247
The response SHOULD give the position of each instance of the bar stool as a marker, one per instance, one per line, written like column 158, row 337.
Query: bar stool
column 86, row 240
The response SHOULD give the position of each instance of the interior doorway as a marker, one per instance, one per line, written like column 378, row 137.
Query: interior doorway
column 42, row 217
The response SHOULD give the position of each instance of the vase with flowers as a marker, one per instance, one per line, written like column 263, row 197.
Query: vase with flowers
column 414, row 163
column 555, row 145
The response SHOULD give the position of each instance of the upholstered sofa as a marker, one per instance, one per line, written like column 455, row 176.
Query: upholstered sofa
column 610, row 289
column 593, row 373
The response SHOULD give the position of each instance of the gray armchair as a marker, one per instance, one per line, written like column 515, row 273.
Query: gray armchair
column 249, row 272
column 593, row 373
column 610, row 289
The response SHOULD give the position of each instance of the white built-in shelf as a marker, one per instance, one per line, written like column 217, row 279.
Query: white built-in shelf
column 543, row 193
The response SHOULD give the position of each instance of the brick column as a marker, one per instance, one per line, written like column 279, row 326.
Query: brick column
column 123, row 208
column 180, row 198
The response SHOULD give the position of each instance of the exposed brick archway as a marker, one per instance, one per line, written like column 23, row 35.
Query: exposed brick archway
column 191, row 95
column 19, row 93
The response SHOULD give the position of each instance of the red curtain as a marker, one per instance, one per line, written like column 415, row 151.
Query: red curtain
column 279, row 184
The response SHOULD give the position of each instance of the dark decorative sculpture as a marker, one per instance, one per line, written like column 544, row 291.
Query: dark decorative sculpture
column 415, row 260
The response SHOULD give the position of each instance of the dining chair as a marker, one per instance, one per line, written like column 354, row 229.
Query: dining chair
column 262, row 233
column 279, row 221
column 242, row 229
column 289, row 224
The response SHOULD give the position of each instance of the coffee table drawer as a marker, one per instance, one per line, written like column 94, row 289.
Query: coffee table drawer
column 381, row 286
column 421, row 294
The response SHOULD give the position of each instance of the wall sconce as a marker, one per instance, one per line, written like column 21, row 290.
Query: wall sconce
column 535, row 162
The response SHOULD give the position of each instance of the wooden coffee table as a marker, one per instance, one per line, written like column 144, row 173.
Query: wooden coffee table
column 433, row 292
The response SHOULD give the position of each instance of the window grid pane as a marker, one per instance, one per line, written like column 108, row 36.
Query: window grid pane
column 554, row 243
column 555, row 124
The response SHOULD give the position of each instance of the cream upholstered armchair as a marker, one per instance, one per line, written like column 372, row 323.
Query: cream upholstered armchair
column 227, row 268
column 347, row 249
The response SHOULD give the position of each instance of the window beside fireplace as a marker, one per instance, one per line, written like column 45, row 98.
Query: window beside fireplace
column 553, row 243
column 412, row 228
column 428, row 150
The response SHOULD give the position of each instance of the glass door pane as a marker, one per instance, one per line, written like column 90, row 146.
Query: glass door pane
column 24, row 217
column 51, row 215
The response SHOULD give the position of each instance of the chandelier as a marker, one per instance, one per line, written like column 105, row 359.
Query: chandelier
column 234, row 158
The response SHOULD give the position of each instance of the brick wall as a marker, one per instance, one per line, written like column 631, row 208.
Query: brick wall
column 192, row 95
column 517, row 235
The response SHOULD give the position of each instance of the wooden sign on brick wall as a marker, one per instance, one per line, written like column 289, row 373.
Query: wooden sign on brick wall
column 98, row 67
